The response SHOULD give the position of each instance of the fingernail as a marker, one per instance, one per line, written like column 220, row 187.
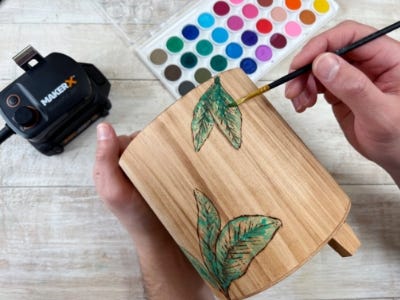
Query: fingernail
column 288, row 91
column 103, row 132
column 297, row 105
column 326, row 67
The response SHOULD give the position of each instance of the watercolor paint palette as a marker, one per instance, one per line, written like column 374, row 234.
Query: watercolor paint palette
column 214, row 36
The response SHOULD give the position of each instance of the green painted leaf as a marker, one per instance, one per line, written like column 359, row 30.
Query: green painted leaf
column 213, row 107
column 228, row 253
column 240, row 241
column 202, row 124
column 202, row 270
column 228, row 119
column 208, row 228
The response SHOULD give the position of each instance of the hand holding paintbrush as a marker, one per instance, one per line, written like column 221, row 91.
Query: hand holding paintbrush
column 307, row 68
column 364, row 94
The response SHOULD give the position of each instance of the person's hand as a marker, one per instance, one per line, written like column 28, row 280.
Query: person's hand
column 363, row 89
column 166, row 272
column 117, row 192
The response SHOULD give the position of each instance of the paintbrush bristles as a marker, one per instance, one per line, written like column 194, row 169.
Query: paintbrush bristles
column 257, row 92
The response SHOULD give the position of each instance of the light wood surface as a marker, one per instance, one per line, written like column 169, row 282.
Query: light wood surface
column 57, row 241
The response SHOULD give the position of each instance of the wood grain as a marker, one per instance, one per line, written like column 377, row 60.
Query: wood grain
column 345, row 241
column 62, row 243
column 273, row 173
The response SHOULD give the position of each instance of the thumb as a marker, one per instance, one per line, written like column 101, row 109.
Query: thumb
column 347, row 83
column 107, row 155
column 107, row 144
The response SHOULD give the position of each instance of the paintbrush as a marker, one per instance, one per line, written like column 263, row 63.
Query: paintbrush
column 308, row 67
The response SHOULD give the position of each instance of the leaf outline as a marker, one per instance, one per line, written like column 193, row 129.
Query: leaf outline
column 219, row 273
column 240, row 241
column 202, row 124
column 208, row 229
column 202, row 270
column 227, row 118
column 214, row 107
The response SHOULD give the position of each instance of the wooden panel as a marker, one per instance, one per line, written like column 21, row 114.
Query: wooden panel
column 48, row 11
column 76, row 12
column 272, row 173
column 91, row 43
column 59, row 243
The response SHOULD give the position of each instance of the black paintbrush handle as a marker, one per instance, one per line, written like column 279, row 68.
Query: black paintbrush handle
column 339, row 52
column 290, row 76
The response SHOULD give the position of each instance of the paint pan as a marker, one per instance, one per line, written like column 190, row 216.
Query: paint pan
column 209, row 37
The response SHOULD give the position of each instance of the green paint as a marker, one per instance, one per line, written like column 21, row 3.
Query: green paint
column 174, row 44
column 228, row 252
column 214, row 107
column 219, row 63
column 202, row 124
column 189, row 60
column 204, row 47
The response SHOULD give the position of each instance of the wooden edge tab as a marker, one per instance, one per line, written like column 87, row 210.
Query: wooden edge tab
column 345, row 242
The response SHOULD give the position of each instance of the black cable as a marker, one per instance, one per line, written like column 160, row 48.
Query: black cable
column 5, row 133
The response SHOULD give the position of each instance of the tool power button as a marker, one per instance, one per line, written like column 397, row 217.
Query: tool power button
column 26, row 116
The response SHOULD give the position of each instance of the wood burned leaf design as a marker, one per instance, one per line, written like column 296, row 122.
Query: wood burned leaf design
column 214, row 107
column 228, row 119
column 240, row 241
column 228, row 253
column 202, row 124
column 208, row 228
column 204, row 273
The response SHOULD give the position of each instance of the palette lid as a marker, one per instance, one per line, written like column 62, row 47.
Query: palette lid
column 124, row 14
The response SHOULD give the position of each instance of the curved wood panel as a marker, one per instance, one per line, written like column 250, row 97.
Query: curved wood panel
column 272, row 174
